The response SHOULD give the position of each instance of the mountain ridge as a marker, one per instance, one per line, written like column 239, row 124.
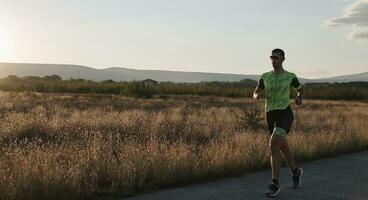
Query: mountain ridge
column 67, row 71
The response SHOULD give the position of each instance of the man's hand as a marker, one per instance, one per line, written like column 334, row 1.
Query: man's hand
column 299, row 97
column 298, row 100
column 258, row 93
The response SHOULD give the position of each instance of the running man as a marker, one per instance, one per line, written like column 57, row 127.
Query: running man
column 275, row 85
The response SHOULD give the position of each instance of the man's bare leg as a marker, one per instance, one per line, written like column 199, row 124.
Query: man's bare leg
column 289, row 156
column 276, row 157
column 297, row 172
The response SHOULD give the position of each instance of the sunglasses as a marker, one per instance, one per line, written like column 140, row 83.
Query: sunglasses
column 274, row 57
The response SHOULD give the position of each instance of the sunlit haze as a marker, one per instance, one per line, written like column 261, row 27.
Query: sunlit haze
column 320, row 38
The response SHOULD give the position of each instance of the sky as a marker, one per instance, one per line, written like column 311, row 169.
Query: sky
column 320, row 38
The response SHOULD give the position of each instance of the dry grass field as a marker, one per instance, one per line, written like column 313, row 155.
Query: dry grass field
column 63, row 146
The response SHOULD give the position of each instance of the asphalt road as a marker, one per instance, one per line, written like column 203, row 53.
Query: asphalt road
column 343, row 177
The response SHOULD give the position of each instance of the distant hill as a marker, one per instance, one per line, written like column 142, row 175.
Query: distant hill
column 114, row 73
column 125, row 74
column 345, row 78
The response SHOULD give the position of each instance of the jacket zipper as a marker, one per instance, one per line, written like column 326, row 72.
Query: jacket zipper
column 273, row 102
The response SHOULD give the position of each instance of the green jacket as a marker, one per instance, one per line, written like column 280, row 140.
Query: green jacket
column 277, row 88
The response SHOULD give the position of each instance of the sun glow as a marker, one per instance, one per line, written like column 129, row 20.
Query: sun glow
column 7, row 46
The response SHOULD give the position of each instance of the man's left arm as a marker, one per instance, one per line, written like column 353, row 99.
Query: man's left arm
column 298, row 87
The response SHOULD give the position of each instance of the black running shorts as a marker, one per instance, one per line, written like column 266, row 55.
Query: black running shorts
column 280, row 118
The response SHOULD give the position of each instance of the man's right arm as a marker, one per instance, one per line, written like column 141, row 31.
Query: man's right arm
column 258, row 92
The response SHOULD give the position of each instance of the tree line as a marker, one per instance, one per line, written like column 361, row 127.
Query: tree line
column 242, row 88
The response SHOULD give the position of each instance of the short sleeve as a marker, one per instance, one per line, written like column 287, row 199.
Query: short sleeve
column 295, row 83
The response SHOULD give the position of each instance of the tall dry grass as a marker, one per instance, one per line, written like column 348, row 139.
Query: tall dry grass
column 81, row 146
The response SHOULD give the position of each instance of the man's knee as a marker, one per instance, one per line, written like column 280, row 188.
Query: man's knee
column 280, row 132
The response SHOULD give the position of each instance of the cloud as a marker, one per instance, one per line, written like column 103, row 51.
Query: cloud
column 355, row 15
column 316, row 74
column 358, row 35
